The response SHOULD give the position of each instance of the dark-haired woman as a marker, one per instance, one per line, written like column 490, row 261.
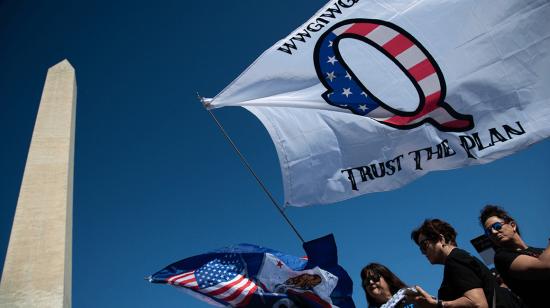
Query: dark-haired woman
column 525, row 269
column 466, row 281
column 380, row 284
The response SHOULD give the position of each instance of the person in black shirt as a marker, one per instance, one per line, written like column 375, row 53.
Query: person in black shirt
column 467, row 282
column 525, row 270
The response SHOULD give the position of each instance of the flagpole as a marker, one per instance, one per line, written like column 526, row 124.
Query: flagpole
column 247, row 165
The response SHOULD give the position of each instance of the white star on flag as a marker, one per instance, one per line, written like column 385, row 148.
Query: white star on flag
column 331, row 76
column 332, row 59
column 347, row 92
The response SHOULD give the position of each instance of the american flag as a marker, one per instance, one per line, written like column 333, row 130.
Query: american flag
column 222, row 278
column 346, row 91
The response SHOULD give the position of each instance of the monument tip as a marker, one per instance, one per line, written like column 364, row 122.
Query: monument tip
column 63, row 65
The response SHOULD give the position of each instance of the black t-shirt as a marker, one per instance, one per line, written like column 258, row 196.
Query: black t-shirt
column 533, row 292
column 463, row 273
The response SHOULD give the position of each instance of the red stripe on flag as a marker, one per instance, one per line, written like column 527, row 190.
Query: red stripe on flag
column 397, row 45
column 225, row 287
column 237, row 292
column 248, row 297
column 184, row 282
column 422, row 70
column 429, row 105
column 171, row 279
column 361, row 28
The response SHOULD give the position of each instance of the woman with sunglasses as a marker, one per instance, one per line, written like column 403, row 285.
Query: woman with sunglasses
column 526, row 270
column 380, row 284
column 467, row 282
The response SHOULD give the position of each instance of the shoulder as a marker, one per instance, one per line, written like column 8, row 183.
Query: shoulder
column 504, row 257
column 462, row 273
column 459, row 256
column 460, row 261
column 533, row 251
column 523, row 264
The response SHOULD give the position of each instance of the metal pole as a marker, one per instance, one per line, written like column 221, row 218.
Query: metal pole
column 247, row 165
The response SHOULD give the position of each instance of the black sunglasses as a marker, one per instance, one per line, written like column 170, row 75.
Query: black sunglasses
column 497, row 226
column 374, row 277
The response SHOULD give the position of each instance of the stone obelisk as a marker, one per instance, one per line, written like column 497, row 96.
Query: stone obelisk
column 37, row 269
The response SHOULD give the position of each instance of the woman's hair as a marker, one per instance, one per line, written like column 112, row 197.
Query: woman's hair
column 493, row 210
column 392, row 280
column 433, row 229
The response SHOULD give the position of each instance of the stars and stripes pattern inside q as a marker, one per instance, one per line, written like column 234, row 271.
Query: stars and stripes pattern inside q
column 222, row 278
column 346, row 91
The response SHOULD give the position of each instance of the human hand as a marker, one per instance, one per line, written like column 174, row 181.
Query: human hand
column 421, row 298
column 411, row 292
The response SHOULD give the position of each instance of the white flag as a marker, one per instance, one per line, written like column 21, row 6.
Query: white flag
column 277, row 277
column 367, row 96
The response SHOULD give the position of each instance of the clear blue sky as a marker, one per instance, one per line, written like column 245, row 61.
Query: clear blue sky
column 156, row 182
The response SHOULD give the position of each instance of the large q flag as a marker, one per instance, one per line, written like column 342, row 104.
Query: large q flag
column 367, row 96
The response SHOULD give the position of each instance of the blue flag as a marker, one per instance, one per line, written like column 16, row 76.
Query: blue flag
column 253, row 276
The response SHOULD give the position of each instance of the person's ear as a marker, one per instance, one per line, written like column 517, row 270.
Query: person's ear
column 442, row 239
column 513, row 225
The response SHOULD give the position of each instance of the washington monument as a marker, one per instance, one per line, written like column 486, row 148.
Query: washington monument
column 37, row 269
